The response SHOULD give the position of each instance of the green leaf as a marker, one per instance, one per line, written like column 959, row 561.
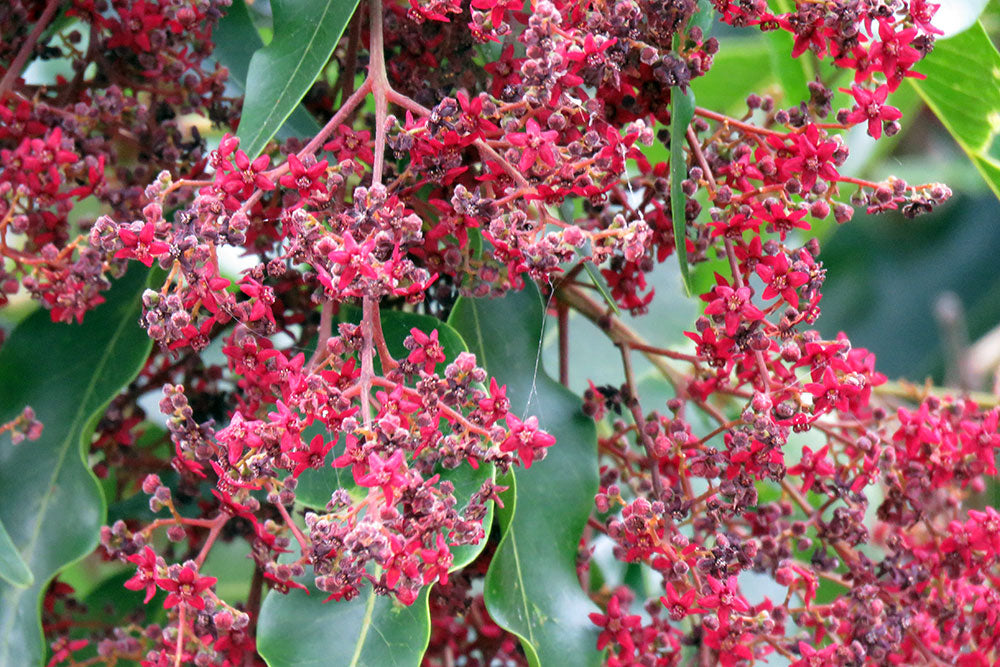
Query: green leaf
column 963, row 89
column 305, row 35
column 681, row 113
column 600, row 284
column 371, row 630
column 532, row 587
column 236, row 40
column 704, row 17
column 50, row 501
column 794, row 74
column 13, row 569
column 743, row 66
column 294, row 629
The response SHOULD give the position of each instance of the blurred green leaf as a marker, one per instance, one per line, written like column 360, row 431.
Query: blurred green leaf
column 681, row 113
column 532, row 587
column 794, row 74
column 963, row 89
column 236, row 40
column 305, row 35
column 704, row 18
column 742, row 66
column 50, row 501
column 13, row 569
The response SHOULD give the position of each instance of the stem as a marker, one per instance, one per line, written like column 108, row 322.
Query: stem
column 636, row 410
column 325, row 329
column 380, row 86
column 388, row 363
column 217, row 525
column 254, row 597
column 180, row 636
column 616, row 330
column 299, row 537
column 370, row 310
column 563, row 312
column 14, row 71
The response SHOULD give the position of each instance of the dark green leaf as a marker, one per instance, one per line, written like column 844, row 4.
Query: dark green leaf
column 49, row 499
column 681, row 113
column 13, row 569
column 236, row 40
column 963, row 89
column 280, row 74
column 371, row 630
column 532, row 587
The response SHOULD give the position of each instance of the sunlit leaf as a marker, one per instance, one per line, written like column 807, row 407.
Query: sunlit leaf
column 305, row 35
column 963, row 90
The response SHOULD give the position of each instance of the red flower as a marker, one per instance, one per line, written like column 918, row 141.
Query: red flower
column 186, row 588
column 426, row 351
column 813, row 658
column 616, row 626
column 385, row 473
column 136, row 24
column 811, row 465
column 893, row 56
column 725, row 599
column 145, row 576
column 536, row 144
column 141, row 246
column 350, row 145
column 732, row 305
column 812, row 158
column 680, row 606
column 871, row 108
column 526, row 438
column 306, row 180
column 312, row 457
column 781, row 279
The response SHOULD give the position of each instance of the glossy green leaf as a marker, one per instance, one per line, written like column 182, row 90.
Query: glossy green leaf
column 295, row 630
column 50, row 501
column 963, row 89
column 305, row 35
column 299, row 630
column 236, row 40
column 681, row 113
column 13, row 569
column 532, row 587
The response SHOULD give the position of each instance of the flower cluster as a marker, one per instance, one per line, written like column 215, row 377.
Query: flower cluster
column 351, row 445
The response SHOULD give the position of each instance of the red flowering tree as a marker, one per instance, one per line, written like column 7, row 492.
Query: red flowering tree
column 283, row 397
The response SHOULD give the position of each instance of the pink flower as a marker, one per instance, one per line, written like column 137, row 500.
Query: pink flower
column 535, row 144
column 186, row 588
column 871, row 108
